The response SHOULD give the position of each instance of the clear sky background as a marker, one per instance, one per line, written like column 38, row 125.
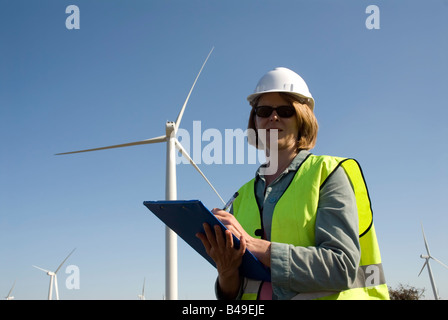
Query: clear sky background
column 380, row 98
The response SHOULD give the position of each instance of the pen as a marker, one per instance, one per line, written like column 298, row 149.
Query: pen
column 229, row 203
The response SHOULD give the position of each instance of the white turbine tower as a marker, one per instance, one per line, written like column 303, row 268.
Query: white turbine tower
column 171, row 186
column 142, row 296
column 54, row 278
column 9, row 297
column 427, row 257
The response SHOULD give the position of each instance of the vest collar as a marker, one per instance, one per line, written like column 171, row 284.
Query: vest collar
column 293, row 166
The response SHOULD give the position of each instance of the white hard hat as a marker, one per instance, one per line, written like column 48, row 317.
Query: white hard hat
column 283, row 80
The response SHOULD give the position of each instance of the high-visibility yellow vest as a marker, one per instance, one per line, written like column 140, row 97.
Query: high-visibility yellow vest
column 293, row 222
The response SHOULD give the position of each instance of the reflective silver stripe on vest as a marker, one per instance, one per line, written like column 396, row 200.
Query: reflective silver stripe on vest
column 371, row 275
column 251, row 286
column 313, row 295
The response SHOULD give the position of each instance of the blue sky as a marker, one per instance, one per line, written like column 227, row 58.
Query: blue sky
column 379, row 95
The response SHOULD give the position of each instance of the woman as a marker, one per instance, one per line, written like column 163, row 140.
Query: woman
column 309, row 220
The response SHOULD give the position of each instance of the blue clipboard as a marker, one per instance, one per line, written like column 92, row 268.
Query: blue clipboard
column 185, row 217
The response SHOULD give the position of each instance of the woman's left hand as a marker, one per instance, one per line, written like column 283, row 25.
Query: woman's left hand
column 230, row 222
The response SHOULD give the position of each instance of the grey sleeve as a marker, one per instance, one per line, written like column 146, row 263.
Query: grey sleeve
column 332, row 263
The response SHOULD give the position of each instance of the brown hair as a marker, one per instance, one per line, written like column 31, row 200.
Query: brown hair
column 306, row 119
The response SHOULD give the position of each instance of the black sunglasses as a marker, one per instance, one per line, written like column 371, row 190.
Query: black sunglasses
column 282, row 111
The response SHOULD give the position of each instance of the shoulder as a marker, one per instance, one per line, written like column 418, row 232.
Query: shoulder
column 325, row 159
column 321, row 165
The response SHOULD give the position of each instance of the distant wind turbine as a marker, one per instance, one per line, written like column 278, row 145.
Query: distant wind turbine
column 142, row 296
column 54, row 278
column 427, row 257
column 9, row 297
column 171, row 186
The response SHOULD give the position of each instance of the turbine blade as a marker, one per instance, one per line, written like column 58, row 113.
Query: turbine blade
column 439, row 262
column 181, row 113
column 186, row 155
column 147, row 141
column 41, row 269
column 64, row 261
column 424, row 265
column 426, row 243
column 9, row 293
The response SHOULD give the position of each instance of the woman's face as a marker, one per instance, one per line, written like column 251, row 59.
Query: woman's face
column 288, row 128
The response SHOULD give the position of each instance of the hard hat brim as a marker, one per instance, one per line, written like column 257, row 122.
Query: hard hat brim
column 253, row 96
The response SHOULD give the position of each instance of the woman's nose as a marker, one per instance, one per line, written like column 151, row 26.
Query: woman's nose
column 273, row 116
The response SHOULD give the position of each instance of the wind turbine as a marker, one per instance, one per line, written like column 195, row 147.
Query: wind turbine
column 171, row 186
column 142, row 296
column 9, row 297
column 427, row 257
column 54, row 278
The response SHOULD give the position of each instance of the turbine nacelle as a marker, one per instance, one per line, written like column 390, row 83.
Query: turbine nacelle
column 170, row 129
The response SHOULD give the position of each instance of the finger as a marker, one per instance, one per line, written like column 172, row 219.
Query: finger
column 219, row 236
column 210, row 236
column 220, row 213
column 229, row 221
column 204, row 241
column 243, row 245
column 229, row 239
column 234, row 231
